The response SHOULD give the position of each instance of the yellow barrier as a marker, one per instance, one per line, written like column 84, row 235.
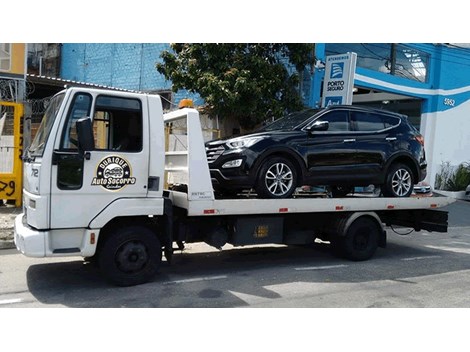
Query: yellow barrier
column 11, row 183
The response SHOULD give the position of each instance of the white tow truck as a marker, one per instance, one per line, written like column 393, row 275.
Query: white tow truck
column 96, row 185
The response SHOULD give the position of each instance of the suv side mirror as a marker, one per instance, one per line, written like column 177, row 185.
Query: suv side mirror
column 86, row 141
column 318, row 126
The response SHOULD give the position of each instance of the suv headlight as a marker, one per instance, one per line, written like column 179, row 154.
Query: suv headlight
column 237, row 143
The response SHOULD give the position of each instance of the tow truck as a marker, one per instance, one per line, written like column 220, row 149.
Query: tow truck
column 126, row 209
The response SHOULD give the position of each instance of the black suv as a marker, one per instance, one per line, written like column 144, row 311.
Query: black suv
column 338, row 146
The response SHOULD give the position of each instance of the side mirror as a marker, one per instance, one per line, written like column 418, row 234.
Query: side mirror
column 86, row 141
column 318, row 126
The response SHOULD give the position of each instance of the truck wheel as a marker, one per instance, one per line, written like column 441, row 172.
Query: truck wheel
column 277, row 179
column 398, row 182
column 130, row 256
column 360, row 241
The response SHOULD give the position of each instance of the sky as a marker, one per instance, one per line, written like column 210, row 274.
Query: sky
column 229, row 21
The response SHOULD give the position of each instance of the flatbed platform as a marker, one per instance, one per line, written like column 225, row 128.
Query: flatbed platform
column 250, row 206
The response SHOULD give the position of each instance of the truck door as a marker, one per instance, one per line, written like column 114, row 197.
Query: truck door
column 82, row 186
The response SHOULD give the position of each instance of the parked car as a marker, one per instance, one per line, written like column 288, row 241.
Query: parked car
column 338, row 146
column 467, row 193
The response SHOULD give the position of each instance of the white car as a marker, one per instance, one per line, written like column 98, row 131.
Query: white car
column 467, row 193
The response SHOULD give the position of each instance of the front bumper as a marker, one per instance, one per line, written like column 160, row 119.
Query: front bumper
column 28, row 241
column 54, row 243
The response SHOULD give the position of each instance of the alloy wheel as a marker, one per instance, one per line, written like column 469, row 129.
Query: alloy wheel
column 279, row 179
column 401, row 182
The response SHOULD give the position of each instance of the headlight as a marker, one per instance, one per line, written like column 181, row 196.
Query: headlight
column 243, row 142
column 232, row 163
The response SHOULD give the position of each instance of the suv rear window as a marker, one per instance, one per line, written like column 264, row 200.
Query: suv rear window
column 370, row 122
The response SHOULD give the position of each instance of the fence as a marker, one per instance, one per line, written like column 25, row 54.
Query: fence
column 11, row 152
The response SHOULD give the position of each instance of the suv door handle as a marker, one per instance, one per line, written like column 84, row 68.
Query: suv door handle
column 391, row 139
column 349, row 140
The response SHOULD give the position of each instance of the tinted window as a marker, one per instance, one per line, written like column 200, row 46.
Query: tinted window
column 391, row 121
column 290, row 121
column 338, row 120
column 366, row 122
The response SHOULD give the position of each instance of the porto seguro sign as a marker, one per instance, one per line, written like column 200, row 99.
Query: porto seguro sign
column 339, row 79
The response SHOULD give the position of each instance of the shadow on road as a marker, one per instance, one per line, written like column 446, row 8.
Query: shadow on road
column 211, row 279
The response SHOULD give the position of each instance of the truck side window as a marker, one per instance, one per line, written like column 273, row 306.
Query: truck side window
column 80, row 108
column 117, row 124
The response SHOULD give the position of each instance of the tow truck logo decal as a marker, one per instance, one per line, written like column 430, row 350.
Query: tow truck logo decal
column 113, row 173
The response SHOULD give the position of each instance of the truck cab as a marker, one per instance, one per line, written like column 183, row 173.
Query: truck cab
column 72, row 190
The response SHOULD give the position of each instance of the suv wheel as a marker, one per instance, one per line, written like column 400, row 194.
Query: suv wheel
column 277, row 178
column 398, row 182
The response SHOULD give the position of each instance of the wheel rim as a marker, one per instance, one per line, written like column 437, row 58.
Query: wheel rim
column 279, row 179
column 131, row 257
column 401, row 182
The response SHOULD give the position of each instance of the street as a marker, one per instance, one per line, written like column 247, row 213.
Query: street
column 419, row 270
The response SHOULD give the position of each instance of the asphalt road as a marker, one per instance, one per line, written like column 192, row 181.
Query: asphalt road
column 422, row 270
column 419, row 270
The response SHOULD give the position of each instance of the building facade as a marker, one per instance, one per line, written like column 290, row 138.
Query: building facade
column 428, row 82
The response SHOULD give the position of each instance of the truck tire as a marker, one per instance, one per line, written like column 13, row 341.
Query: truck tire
column 277, row 179
column 130, row 256
column 360, row 240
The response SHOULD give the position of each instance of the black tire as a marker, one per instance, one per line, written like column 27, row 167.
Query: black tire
column 398, row 182
column 130, row 256
column 340, row 191
column 360, row 241
column 277, row 179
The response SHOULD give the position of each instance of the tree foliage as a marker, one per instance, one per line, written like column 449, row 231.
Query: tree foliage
column 239, row 81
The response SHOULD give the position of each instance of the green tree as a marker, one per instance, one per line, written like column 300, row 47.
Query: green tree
column 240, row 81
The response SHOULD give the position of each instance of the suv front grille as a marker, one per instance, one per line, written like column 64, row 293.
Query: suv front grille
column 213, row 153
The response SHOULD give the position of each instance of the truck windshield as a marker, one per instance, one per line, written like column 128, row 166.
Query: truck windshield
column 37, row 146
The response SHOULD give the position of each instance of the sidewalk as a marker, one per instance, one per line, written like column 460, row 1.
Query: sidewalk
column 7, row 216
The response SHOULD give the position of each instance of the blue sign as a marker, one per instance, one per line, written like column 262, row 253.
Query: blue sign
column 339, row 79
column 333, row 101
column 337, row 69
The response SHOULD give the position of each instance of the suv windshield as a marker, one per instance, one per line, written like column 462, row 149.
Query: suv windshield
column 37, row 146
column 289, row 122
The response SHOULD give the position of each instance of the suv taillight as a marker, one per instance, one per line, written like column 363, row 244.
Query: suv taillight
column 420, row 139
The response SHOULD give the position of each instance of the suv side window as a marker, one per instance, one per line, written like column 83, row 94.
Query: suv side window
column 338, row 120
column 391, row 121
column 367, row 122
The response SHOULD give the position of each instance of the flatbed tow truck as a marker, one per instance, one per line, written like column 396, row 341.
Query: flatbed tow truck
column 85, row 197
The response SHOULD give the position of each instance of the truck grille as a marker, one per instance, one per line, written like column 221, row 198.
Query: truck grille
column 214, row 152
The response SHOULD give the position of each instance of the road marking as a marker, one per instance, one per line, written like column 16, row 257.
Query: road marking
column 197, row 279
column 10, row 301
column 420, row 258
column 322, row 267
column 459, row 242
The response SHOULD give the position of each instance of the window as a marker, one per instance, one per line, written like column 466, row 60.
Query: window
column 390, row 121
column 367, row 122
column 394, row 59
column 117, row 124
column 80, row 108
column 5, row 56
column 338, row 121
